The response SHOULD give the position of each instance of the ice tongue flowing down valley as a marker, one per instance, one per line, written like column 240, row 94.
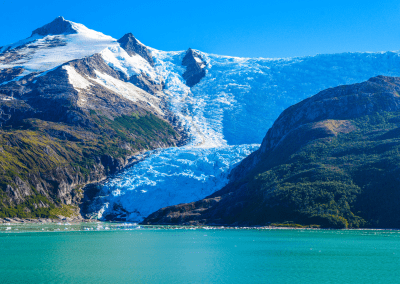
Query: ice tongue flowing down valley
column 176, row 175
column 229, row 109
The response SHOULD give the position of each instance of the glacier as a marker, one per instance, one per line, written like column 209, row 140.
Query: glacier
column 168, row 176
column 226, row 114
column 175, row 175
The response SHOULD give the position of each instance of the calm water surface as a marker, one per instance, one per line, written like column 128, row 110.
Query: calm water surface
column 77, row 254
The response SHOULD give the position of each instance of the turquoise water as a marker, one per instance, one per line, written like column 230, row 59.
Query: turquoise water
column 147, row 255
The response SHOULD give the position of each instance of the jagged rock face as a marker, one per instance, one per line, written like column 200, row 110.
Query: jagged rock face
column 13, row 110
column 146, row 83
column 340, row 143
column 20, row 192
column 133, row 46
column 8, row 74
column 195, row 67
column 56, row 27
column 60, row 182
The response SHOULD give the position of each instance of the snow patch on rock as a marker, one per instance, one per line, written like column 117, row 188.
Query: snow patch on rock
column 10, row 47
column 117, row 58
column 127, row 90
column 75, row 79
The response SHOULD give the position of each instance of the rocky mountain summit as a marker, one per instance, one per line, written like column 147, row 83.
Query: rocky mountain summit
column 56, row 27
column 195, row 67
column 331, row 160
column 132, row 46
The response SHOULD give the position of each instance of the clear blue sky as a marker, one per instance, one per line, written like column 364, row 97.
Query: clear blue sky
column 246, row 28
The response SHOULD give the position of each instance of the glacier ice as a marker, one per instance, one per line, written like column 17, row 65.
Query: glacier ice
column 75, row 79
column 170, row 176
column 251, row 93
column 118, row 59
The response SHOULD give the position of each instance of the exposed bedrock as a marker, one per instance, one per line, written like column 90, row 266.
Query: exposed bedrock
column 132, row 46
column 56, row 27
column 195, row 67
column 9, row 74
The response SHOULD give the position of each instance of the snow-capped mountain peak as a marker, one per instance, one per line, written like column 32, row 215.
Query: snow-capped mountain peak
column 61, row 26
column 195, row 67
column 53, row 45
column 56, row 27
column 132, row 46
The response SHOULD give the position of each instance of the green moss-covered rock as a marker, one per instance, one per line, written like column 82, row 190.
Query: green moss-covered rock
column 51, row 159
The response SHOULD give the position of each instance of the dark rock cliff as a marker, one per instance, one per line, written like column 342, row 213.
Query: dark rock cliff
column 195, row 67
column 146, row 83
column 132, row 46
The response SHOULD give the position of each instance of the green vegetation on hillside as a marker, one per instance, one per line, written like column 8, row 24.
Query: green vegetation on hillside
column 35, row 150
column 351, row 180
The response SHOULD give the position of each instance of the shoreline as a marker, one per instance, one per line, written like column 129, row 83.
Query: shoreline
column 75, row 221
column 17, row 220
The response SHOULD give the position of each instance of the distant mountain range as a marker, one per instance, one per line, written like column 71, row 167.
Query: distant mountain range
column 80, row 110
